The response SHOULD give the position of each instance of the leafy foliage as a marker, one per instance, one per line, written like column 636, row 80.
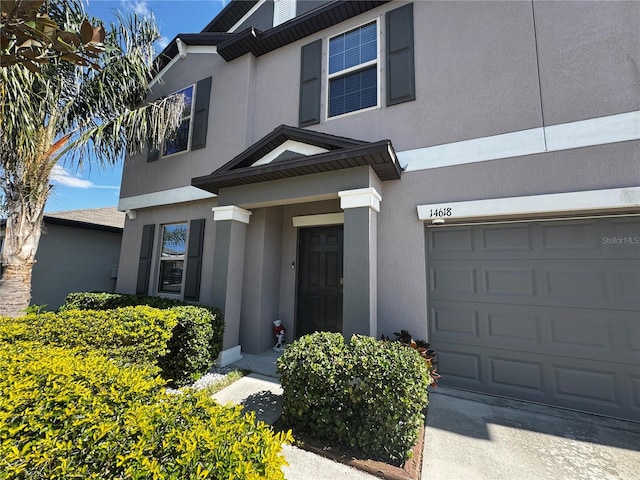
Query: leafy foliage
column 66, row 414
column 196, row 339
column 367, row 395
column 30, row 37
column 423, row 348
column 129, row 335
column 73, row 111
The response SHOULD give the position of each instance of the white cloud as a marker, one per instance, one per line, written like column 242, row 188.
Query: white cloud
column 141, row 8
column 162, row 42
column 64, row 178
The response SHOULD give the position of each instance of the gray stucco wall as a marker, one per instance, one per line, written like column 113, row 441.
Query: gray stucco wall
column 482, row 69
column 71, row 259
column 132, row 236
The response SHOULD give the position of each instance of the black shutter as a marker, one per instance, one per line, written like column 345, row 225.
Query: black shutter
column 153, row 153
column 401, row 83
column 310, row 73
column 144, row 266
column 201, row 114
column 194, row 261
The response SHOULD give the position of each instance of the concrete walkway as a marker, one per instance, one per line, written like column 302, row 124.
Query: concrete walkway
column 471, row 436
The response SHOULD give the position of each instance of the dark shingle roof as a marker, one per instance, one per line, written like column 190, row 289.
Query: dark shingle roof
column 108, row 217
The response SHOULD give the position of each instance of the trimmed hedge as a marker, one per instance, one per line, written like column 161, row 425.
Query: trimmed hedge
column 367, row 395
column 131, row 334
column 196, row 340
column 67, row 414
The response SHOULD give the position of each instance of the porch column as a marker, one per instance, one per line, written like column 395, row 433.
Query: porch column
column 228, row 265
column 360, row 303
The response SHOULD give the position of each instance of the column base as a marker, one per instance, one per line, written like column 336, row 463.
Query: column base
column 229, row 356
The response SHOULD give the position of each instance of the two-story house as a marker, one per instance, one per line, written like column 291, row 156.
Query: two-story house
column 468, row 171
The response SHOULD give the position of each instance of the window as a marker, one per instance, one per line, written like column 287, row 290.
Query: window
column 353, row 70
column 172, row 255
column 180, row 143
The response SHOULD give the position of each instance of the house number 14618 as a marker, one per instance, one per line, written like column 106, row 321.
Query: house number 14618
column 440, row 212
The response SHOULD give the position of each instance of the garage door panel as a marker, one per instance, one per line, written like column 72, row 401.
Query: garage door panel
column 586, row 385
column 542, row 311
column 568, row 239
column 613, row 284
column 590, row 334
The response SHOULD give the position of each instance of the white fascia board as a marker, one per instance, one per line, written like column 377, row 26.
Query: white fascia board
column 591, row 201
column 163, row 197
column 318, row 220
column 595, row 131
column 231, row 212
column 515, row 144
column 584, row 133
column 293, row 146
column 187, row 49
column 247, row 15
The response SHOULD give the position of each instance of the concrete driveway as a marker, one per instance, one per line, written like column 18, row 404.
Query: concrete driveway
column 479, row 437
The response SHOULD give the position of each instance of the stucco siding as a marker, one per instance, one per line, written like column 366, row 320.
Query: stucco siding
column 132, row 237
column 71, row 259
column 589, row 56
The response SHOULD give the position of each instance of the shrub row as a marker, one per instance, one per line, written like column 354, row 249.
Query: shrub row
column 367, row 395
column 71, row 414
column 196, row 339
column 130, row 335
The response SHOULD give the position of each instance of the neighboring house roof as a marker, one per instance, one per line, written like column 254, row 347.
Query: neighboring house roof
column 234, row 45
column 338, row 153
column 108, row 218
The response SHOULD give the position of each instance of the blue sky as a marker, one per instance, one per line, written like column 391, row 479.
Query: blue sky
column 95, row 187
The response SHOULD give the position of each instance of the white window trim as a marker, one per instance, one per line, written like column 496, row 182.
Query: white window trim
column 354, row 69
column 193, row 106
column 160, row 260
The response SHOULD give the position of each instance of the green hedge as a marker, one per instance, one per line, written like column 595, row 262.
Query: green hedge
column 70, row 414
column 367, row 394
column 130, row 334
column 196, row 340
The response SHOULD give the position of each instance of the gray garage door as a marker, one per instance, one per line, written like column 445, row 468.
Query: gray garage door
column 542, row 311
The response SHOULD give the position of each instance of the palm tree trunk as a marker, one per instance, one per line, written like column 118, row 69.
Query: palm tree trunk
column 23, row 229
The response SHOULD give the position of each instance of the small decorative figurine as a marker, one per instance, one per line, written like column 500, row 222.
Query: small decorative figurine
column 278, row 331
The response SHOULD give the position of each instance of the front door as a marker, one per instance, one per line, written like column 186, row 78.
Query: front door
column 320, row 280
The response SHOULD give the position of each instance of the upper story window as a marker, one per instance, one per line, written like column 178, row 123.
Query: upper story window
column 180, row 143
column 172, row 255
column 353, row 70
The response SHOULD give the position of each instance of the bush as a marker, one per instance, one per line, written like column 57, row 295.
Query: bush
column 366, row 395
column 191, row 349
column 64, row 415
column 131, row 334
column 196, row 340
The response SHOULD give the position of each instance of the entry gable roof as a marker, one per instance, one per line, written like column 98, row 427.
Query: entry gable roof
column 336, row 153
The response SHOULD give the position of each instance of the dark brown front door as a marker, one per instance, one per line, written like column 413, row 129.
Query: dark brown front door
column 320, row 280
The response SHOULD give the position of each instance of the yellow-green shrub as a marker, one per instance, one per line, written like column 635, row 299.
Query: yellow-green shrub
column 196, row 340
column 66, row 414
column 130, row 334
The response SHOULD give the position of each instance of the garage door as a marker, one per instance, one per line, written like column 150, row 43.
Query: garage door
column 544, row 311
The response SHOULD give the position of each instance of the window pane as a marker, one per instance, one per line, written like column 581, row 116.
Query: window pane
column 188, row 99
column 353, row 92
column 171, row 276
column 174, row 239
column 353, row 48
column 181, row 140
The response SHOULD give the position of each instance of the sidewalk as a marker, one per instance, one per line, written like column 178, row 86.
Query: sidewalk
column 471, row 436
column 263, row 395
